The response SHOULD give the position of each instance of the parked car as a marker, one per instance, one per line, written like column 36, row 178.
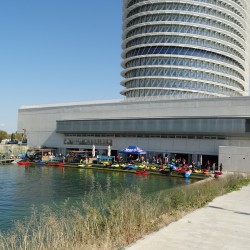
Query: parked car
column 13, row 142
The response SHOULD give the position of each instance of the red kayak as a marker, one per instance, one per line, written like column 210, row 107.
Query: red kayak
column 141, row 172
column 206, row 172
column 59, row 164
column 23, row 163
column 218, row 172
column 56, row 164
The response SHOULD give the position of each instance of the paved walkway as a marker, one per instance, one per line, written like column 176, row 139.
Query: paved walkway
column 222, row 225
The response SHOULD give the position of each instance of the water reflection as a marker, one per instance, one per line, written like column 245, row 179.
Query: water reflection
column 23, row 187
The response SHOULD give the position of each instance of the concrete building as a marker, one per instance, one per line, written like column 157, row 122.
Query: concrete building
column 196, row 128
column 186, row 70
column 185, row 49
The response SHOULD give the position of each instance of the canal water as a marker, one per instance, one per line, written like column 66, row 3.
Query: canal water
column 21, row 188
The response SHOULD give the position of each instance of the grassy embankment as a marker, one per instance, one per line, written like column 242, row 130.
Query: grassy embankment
column 111, row 224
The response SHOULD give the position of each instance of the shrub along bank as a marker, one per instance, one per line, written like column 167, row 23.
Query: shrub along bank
column 106, row 223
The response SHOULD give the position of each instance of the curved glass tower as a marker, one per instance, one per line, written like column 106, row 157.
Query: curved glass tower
column 185, row 49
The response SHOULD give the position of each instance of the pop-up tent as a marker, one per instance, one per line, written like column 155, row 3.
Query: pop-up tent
column 133, row 150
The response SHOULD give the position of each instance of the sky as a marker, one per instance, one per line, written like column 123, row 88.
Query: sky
column 58, row 51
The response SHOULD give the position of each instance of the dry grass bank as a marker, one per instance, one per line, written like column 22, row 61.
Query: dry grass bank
column 112, row 224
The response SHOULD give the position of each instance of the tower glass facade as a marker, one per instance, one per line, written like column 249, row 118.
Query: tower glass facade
column 185, row 49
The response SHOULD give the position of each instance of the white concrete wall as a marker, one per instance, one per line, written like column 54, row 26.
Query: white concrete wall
column 40, row 120
column 40, row 123
column 44, row 116
column 235, row 159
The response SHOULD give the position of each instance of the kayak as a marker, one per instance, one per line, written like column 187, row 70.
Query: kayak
column 115, row 165
column 81, row 165
column 218, row 172
column 141, row 172
column 56, row 164
column 40, row 162
column 197, row 171
column 206, row 172
column 131, row 166
column 23, row 163
column 187, row 173
column 142, row 166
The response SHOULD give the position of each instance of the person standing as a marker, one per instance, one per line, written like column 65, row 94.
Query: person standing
column 221, row 167
column 208, row 165
column 213, row 167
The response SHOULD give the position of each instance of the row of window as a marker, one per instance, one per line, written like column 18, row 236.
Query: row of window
column 184, row 40
column 187, row 7
column 171, row 83
column 153, row 125
column 174, row 50
column 214, row 2
column 187, row 85
column 183, row 62
column 69, row 140
column 183, row 73
column 94, row 142
column 223, row 4
column 181, row 94
column 184, row 29
column 182, row 17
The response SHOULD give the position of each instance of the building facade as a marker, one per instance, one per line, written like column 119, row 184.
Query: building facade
column 185, row 49
column 195, row 128
column 176, row 55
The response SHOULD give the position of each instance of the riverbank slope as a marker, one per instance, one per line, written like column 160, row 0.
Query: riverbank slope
column 221, row 224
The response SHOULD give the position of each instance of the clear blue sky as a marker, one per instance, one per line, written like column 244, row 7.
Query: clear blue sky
column 58, row 51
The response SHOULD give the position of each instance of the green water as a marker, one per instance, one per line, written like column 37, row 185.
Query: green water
column 24, row 187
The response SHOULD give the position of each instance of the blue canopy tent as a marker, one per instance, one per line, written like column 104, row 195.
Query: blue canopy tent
column 132, row 150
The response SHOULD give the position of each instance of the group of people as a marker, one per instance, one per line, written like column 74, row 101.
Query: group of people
column 213, row 167
column 180, row 162
column 175, row 161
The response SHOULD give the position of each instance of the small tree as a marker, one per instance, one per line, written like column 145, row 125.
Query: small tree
column 12, row 137
column 3, row 135
column 18, row 136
